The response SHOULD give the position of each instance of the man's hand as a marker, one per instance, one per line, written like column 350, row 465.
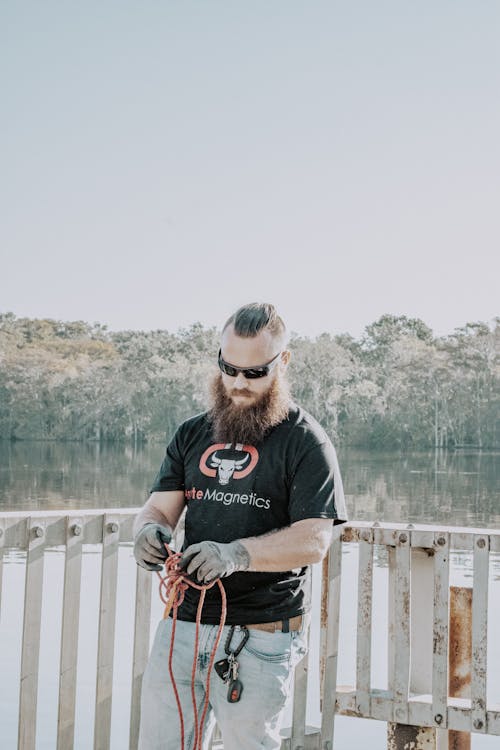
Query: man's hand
column 210, row 560
column 149, row 546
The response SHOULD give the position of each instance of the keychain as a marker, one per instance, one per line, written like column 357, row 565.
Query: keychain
column 227, row 669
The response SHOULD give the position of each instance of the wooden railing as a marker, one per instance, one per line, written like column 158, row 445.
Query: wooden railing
column 417, row 637
column 419, row 692
column 35, row 533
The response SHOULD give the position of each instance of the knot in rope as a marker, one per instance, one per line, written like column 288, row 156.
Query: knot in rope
column 173, row 585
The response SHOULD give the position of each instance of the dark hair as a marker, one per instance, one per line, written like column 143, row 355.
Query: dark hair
column 250, row 319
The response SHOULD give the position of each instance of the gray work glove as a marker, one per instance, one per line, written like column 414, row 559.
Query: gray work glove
column 149, row 547
column 207, row 561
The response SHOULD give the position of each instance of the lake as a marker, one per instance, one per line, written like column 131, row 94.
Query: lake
column 456, row 488
column 449, row 488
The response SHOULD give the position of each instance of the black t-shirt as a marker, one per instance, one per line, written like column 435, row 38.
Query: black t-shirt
column 238, row 491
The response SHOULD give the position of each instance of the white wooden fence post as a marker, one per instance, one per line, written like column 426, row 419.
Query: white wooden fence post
column 141, row 648
column 105, row 647
column 31, row 635
column 412, row 626
column 69, row 635
column 329, row 687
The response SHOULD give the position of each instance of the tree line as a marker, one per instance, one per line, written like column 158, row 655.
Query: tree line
column 397, row 385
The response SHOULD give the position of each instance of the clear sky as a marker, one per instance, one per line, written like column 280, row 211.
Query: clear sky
column 164, row 162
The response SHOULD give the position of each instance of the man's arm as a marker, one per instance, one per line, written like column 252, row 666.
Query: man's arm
column 302, row 543
column 164, row 508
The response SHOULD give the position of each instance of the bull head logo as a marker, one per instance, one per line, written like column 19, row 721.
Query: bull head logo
column 226, row 466
column 212, row 463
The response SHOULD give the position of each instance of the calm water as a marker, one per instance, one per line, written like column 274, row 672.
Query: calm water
column 452, row 488
column 448, row 488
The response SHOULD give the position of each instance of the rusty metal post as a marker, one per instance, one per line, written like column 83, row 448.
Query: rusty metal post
column 403, row 737
column 460, row 657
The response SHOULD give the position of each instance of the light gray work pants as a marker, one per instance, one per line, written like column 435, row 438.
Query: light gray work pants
column 266, row 666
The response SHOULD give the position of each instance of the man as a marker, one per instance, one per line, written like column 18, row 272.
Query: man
column 260, row 482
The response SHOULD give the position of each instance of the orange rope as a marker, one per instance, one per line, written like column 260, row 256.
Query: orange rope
column 173, row 586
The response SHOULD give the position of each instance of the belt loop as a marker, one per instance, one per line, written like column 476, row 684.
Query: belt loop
column 285, row 626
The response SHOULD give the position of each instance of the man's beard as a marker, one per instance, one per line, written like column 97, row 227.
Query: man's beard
column 232, row 423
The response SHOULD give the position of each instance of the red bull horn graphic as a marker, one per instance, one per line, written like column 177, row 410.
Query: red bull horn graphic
column 220, row 461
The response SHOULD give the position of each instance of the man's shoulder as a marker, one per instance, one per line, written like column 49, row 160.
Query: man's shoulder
column 197, row 419
column 303, row 426
column 193, row 424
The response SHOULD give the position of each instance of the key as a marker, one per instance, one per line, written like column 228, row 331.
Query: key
column 222, row 668
column 234, row 669
column 235, row 690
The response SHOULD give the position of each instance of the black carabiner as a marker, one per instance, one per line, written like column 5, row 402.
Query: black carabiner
column 227, row 645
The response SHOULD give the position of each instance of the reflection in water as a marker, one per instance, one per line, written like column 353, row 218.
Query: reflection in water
column 446, row 487
column 52, row 476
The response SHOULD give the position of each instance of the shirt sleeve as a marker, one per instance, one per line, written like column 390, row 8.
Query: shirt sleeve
column 316, row 488
column 171, row 473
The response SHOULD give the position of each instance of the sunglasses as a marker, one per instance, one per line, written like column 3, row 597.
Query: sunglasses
column 248, row 372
